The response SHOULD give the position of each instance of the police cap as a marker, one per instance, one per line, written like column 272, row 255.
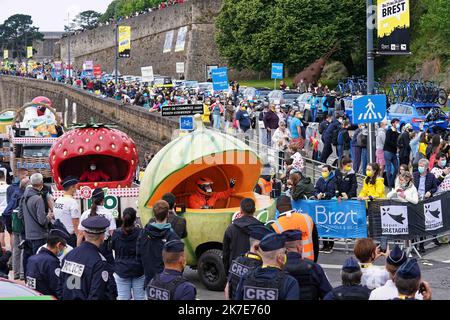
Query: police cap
column 258, row 231
column 60, row 234
column 350, row 265
column 98, row 194
column 409, row 270
column 174, row 246
column 95, row 224
column 272, row 242
column 292, row 235
column 69, row 181
column 396, row 257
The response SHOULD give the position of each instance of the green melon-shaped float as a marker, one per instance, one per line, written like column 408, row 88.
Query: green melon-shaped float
column 204, row 153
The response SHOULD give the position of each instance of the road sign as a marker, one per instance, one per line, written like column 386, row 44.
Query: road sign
column 277, row 71
column 369, row 109
column 182, row 110
column 187, row 123
column 220, row 79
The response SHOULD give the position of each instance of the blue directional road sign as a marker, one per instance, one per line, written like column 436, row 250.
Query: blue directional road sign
column 277, row 71
column 186, row 123
column 220, row 79
column 369, row 109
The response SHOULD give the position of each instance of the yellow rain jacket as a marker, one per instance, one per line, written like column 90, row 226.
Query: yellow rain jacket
column 375, row 190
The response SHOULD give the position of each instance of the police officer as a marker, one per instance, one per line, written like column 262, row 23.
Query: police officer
column 408, row 281
column 269, row 282
column 351, row 288
column 311, row 278
column 170, row 284
column 249, row 261
column 85, row 273
column 43, row 269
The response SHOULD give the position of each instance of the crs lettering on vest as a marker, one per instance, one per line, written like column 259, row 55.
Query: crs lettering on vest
column 31, row 283
column 256, row 293
column 238, row 269
column 155, row 293
column 73, row 268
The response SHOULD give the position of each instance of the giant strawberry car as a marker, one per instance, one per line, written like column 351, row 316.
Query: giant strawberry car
column 179, row 167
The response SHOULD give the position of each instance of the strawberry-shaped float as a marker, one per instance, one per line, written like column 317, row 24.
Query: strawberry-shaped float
column 111, row 150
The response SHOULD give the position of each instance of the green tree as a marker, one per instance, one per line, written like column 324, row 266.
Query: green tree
column 16, row 33
column 123, row 8
column 253, row 33
column 87, row 20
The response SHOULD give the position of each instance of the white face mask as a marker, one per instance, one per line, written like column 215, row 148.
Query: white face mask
column 93, row 168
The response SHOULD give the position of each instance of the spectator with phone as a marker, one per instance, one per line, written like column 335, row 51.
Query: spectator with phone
column 408, row 282
column 407, row 192
column 367, row 253
column 389, row 291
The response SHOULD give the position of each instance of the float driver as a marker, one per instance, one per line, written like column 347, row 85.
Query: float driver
column 205, row 198
column 94, row 175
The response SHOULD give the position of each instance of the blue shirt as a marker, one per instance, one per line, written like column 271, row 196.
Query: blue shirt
column 295, row 123
column 243, row 118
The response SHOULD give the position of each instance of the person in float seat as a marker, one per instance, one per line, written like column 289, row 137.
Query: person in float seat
column 205, row 197
column 94, row 175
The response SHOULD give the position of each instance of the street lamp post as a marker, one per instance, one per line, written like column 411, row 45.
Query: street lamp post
column 117, row 50
column 370, row 76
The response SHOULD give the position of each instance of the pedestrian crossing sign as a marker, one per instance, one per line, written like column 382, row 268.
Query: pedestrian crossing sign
column 369, row 109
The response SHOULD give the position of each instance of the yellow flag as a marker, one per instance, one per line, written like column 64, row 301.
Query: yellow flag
column 5, row 54
column 393, row 23
column 29, row 52
column 124, row 41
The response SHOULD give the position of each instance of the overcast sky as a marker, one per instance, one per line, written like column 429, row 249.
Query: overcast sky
column 49, row 15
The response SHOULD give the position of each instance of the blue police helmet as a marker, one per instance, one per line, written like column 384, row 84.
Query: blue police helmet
column 95, row 224
column 98, row 194
column 350, row 265
column 258, row 231
column 174, row 246
column 396, row 257
column 272, row 242
column 409, row 270
column 69, row 181
column 292, row 235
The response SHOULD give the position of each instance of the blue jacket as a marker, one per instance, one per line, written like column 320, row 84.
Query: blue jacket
column 185, row 291
column 85, row 275
column 358, row 292
column 43, row 270
column 13, row 194
column 126, row 264
column 324, row 104
column 328, row 133
column 149, row 247
column 320, row 279
column 326, row 186
column 290, row 289
column 431, row 183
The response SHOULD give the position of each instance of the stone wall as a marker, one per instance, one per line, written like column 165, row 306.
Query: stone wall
column 150, row 131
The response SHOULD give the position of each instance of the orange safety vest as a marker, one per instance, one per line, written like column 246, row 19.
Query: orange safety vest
column 266, row 186
column 293, row 220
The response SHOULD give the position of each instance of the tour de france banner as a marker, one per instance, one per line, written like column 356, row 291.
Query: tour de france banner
column 124, row 41
column 397, row 220
column 336, row 219
column 393, row 26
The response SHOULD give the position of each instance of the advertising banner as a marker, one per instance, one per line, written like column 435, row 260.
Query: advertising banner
column 97, row 70
column 182, row 110
column 147, row 74
column 168, row 42
column 88, row 65
column 29, row 52
column 124, row 41
column 336, row 219
column 406, row 221
column 181, row 39
column 393, row 27
column 220, row 79
column 5, row 54
column 277, row 71
column 180, row 67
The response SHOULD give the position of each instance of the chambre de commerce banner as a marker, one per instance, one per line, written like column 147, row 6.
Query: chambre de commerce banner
column 351, row 219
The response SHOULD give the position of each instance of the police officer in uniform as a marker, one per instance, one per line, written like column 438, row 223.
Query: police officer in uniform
column 408, row 281
column 85, row 273
column 249, row 261
column 351, row 288
column 269, row 282
column 313, row 282
column 43, row 269
column 170, row 284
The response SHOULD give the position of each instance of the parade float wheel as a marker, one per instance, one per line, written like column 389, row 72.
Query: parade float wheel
column 211, row 270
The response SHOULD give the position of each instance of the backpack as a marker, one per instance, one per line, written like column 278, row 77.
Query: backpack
column 18, row 225
column 361, row 140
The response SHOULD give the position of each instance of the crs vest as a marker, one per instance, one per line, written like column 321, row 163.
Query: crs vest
column 292, row 220
column 159, row 290
column 263, row 289
column 303, row 272
column 350, row 293
column 239, row 267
